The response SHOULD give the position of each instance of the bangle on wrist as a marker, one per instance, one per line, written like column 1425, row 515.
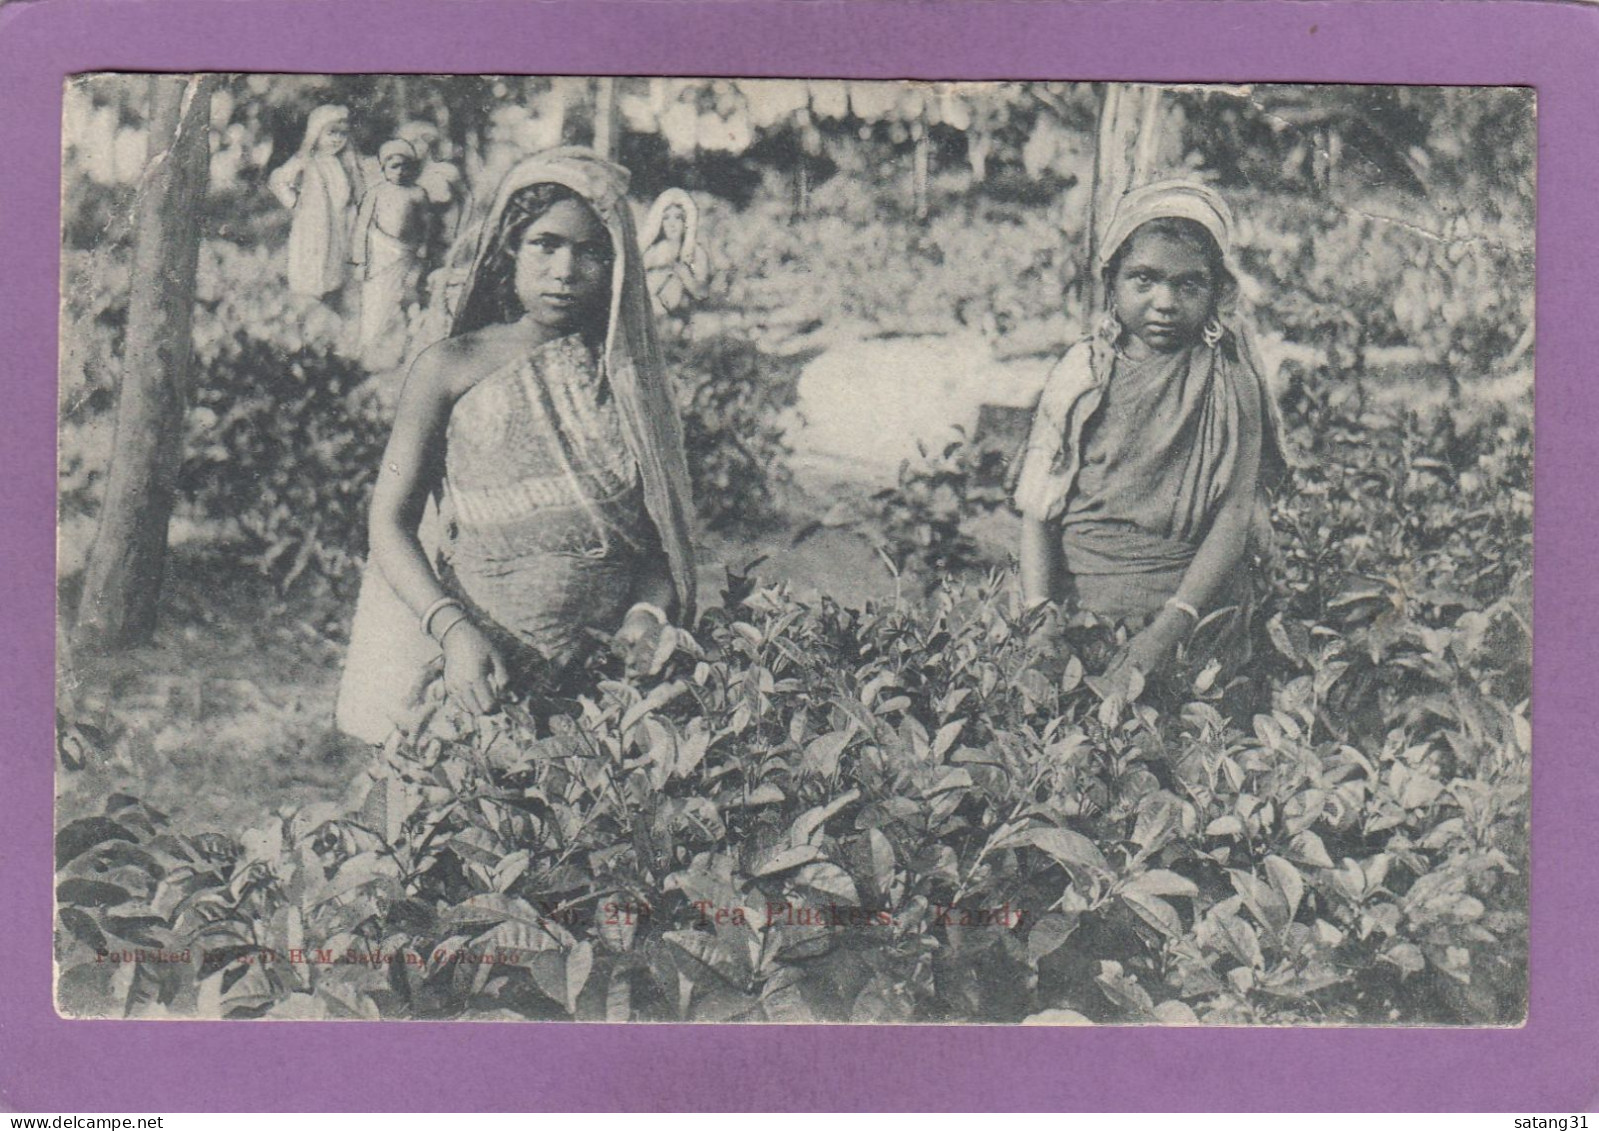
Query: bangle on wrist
column 435, row 609
column 460, row 619
column 654, row 610
column 1183, row 607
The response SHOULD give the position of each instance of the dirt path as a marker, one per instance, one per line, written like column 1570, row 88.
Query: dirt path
column 864, row 406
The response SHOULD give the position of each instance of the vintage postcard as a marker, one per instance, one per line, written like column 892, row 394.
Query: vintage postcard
column 709, row 549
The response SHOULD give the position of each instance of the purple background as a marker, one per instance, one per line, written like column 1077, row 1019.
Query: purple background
column 1551, row 1065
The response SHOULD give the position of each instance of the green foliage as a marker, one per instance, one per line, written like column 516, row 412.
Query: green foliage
column 821, row 814
column 904, row 814
column 282, row 451
column 853, row 260
column 731, row 395
column 922, row 525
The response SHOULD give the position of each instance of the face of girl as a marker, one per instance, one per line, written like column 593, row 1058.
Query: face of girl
column 334, row 138
column 399, row 169
column 1164, row 292
column 673, row 224
column 563, row 267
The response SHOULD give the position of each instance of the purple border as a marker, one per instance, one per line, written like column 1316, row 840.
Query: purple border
column 1552, row 1065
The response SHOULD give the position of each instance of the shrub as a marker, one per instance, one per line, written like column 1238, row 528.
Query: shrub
column 282, row 450
column 823, row 814
column 856, row 260
column 922, row 525
column 731, row 395
column 1457, row 288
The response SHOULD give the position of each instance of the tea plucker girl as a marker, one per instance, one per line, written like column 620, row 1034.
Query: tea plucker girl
column 1152, row 439
column 320, row 184
column 544, row 430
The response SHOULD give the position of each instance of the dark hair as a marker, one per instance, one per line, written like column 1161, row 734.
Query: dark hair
column 1186, row 231
column 496, row 285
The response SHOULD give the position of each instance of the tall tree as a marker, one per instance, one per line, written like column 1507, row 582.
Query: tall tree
column 122, row 579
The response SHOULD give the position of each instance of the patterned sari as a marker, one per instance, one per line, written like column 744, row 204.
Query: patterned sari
column 564, row 477
column 544, row 526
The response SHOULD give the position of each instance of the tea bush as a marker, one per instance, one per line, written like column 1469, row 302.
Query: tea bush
column 731, row 395
column 923, row 523
column 908, row 813
column 282, row 451
column 824, row 814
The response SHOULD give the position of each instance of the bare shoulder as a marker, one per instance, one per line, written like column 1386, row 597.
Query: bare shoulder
column 450, row 367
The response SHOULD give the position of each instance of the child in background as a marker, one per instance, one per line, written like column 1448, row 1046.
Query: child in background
column 391, row 235
column 319, row 185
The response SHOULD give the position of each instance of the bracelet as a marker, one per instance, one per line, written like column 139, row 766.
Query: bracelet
column 457, row 622
column 1183, row 607
column 435, row 609
column 654, row 610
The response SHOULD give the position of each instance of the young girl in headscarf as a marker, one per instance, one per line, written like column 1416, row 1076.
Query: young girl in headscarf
column 391, row 236
column 674, row 262
column 545, row 435
column 320, row 185
column 1140, row 481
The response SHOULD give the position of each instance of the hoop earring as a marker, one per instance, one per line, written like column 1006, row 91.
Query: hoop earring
column 1213, row 331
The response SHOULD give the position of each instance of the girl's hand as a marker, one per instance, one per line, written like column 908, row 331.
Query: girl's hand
column 474, row 672
column 641, row 640
column 1049, row 635
column 1148, row 651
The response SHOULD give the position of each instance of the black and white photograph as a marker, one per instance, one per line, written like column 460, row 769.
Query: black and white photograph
column 640, row 549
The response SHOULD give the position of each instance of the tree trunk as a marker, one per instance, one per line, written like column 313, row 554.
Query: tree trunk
column 1125, row 156
column 920, row 160
column 801, row 185
column 605, row 117
column 122, row 580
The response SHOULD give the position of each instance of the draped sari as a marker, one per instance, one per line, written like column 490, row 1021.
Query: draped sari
column 564, row 474
column 1131, row 460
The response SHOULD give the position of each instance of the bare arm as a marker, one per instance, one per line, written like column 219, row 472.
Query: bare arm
column 654, row 586
column 413, row 464
column 643, row 640
column 1219, row 555
column 690, row 272
column 285, row 182
column 363, row 217
column 1040, row 561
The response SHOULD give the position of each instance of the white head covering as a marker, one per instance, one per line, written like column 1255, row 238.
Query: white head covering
column 1172, row 199
column 317, row 123
column 669, row 199
column 396, row 147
